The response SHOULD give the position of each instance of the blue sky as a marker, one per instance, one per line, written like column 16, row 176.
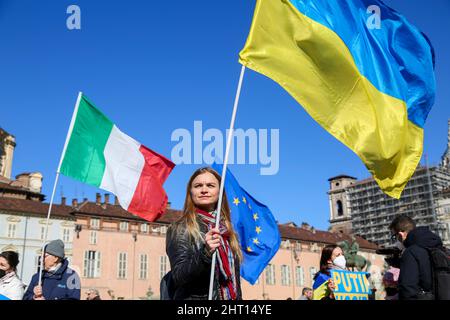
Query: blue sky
column 155, row 66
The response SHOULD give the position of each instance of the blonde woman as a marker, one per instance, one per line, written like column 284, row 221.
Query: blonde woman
column 192, row 240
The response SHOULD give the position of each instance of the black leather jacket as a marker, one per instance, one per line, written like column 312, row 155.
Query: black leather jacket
column 191, row 265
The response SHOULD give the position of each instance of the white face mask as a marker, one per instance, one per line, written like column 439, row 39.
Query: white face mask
column 340, row 262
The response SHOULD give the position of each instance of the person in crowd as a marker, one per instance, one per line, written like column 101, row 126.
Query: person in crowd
column 390, row 283
column 332, row 257
column 59, row 282
column 307, row 294
column 415, row 281
column 11, row 287
column 92, row 294
column 191, row 242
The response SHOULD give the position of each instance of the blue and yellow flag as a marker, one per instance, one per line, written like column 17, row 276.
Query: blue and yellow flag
column 255, row 225
column 370, row 85
column 320, row 287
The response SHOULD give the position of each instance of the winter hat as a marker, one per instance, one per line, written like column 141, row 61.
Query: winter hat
column 55, row 248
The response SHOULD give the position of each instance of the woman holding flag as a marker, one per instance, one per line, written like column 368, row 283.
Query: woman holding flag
column 192, row 240
column 332, row 258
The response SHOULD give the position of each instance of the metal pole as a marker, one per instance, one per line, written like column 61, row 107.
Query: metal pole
column 24, row 247
column 224, row 171
column 72, row 123
column 134, row 266
column 292, row 271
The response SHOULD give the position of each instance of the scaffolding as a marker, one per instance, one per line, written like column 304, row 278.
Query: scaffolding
column 372, row 211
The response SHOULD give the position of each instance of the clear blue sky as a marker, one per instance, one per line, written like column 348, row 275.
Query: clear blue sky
column 155, row 66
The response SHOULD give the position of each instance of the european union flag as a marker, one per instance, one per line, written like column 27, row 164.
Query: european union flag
column 255, row 225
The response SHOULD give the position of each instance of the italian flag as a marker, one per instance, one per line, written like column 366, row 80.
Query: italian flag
column 99, row 154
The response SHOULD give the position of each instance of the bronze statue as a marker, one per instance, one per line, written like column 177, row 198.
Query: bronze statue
column 354, row 260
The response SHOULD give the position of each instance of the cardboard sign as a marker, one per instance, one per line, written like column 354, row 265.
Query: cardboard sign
column 350, row 285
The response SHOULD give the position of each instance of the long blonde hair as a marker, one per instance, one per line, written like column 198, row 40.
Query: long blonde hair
column 189, row 218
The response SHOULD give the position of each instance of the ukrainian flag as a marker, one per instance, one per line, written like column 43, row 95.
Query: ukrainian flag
column 320, row 287
column 371, row 88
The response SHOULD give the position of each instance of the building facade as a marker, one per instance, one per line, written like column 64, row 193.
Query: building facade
column 22, row 229
column 121, row 255
column 23, row 214
column 124, row 257
column 360, row 207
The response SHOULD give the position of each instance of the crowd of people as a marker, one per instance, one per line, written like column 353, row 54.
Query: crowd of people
column 192, row 241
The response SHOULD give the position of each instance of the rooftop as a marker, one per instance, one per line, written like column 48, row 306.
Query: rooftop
column 341, row 176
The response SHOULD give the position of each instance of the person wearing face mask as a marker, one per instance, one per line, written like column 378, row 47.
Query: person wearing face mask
column 415, row 281
column 59, row 282
column 332, row 258
column 11, row 287
column 191, row 242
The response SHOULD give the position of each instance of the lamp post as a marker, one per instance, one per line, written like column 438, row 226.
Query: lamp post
column 134, row 234
column 78, row 229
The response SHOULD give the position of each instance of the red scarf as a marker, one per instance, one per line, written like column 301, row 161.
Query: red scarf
column 225, row 257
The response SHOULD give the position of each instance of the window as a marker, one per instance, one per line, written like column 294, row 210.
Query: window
column 144, row 228
column 91, row 264
column 11, row 230
column 299, row 277
column 340, row 210
column 66, row 235
column 122, row 267
column 285, row 275
column 93, row 237
column 95, row 223
column 163, row 229
column 162, row 266
column 143, row 267
column 298, row 246
column 42, row 233
column 123, row 226
column 270, row 274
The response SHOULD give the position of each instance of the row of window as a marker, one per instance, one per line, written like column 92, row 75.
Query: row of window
column 92, row 265
column 92, row 269
column 124, row 226
column 11, row 232
column 286, row 279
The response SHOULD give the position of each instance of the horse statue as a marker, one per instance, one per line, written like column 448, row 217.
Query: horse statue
column 354, row 260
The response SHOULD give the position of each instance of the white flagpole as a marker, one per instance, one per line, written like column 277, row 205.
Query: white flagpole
column 72, row 123
column 224, row 172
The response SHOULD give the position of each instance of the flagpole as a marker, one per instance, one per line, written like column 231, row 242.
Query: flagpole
column 224, row 172
column 69, row 132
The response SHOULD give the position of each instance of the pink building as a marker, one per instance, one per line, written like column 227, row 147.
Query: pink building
column 124, row 256
column 119, row 254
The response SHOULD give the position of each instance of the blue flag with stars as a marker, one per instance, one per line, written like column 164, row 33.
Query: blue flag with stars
column 255, row 225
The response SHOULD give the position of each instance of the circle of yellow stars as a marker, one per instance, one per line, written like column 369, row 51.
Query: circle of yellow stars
column 258, row 229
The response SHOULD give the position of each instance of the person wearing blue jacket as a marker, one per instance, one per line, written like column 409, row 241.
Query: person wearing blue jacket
column 59, row 282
